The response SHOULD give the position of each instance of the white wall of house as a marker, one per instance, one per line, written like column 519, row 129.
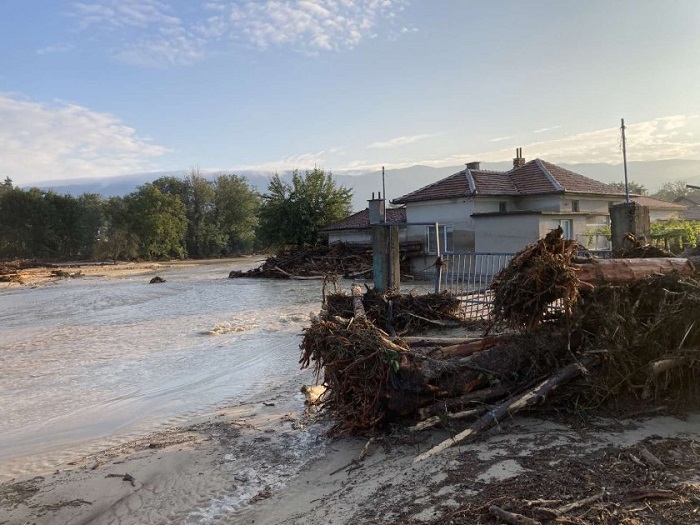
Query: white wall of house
column 656, row 215
column 505, row 233
column 350, row 236
column 358, row 236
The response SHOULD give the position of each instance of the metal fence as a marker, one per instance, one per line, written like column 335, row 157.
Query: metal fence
column 468, row 276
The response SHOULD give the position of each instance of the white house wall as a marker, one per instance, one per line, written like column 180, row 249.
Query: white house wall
column 506, row 233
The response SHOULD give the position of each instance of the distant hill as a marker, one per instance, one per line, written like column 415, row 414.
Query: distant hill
column 651, row 174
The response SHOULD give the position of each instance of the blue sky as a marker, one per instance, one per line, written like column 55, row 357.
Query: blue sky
column 97, row 88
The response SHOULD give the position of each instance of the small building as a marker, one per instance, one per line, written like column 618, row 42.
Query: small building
column 501, row 212
column 356, row 229
column 660, row 210
column 692, row 204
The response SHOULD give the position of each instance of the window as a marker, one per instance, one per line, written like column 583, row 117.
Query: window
column 503, row 206
column 575, row 206
column 567, row 225
column 446, row 239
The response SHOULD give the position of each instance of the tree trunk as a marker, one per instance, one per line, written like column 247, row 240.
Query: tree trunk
column 625, row 271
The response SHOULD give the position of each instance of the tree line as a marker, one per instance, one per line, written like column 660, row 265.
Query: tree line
column 171, row 217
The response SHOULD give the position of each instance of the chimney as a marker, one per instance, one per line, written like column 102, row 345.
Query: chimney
column 473, row 165
column 376, row 210
column 518, row 160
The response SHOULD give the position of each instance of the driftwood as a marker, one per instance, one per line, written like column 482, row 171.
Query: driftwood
column 511, row 517
column 625, row 271
column 515, row 404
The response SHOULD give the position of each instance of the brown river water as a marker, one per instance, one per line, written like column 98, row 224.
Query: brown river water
column 89, row 363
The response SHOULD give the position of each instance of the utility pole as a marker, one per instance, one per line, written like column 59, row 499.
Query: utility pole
column 384, row 193
column 624, row 161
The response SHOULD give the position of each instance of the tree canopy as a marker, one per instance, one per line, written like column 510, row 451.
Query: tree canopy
column 670, row 191
column 172, row 217
column 634, row 187
column 294, row 213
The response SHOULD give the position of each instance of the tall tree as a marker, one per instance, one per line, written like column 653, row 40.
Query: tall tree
column 159, row 222
column 634, row 187
column 670, row 191
column 237, row 206
column 203, row 238
column 294, row 213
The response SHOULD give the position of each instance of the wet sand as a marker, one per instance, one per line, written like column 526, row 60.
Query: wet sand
column 251, row 464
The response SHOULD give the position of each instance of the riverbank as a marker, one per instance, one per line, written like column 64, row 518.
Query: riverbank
column 252, row 464
column 58, row 272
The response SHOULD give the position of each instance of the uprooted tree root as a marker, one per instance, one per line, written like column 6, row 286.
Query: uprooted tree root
column 535, row 278
column 405, row 313
column 652, row 332
column 637, row 341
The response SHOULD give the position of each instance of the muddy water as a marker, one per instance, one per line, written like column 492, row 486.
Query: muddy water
column 91, row 362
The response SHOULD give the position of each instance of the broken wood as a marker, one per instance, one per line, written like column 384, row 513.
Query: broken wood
column 625, row 271
column 357, row 306
column 515, row 404
column 511, row 517
column 651, row 459
column 436, row 420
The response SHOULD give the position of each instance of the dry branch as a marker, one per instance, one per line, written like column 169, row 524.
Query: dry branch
column 515, row 404
column 511, row 517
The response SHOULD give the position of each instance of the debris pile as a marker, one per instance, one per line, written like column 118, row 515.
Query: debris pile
column 346, row 260
column 633, row 248
column 401, row 313
column 632, row 337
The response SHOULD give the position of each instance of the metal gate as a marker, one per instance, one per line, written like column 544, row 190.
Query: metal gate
column 467, row 275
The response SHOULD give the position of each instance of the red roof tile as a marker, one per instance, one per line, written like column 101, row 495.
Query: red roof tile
column 656, row 204
column 360, row 220
column 533, row 178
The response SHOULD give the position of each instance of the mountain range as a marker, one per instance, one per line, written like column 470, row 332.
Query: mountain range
column 650, row 174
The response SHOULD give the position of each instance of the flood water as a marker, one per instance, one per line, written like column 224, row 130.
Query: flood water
column 91, row 362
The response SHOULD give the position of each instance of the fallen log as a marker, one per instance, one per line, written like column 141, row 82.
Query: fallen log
column 517, row 403
column 511, row 517
column 454, row 404
column 625, row 271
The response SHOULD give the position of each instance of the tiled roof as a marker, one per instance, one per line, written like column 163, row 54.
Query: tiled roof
column 532, row 178
column 691, row 214
column 360, row 220
column 456, row 185
column 656, row 204
column 691, row 197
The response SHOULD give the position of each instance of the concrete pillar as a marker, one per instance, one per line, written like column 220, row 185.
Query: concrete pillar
column 385, row 257
column 628, row 217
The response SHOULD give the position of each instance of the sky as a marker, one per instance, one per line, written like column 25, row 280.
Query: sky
column 99, row 88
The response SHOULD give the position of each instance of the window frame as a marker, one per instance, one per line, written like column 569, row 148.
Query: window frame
column 446, row 239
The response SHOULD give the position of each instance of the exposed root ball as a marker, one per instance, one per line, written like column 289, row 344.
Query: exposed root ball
column 536, row 277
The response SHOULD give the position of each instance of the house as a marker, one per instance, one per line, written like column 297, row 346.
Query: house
column 501, row 212
column 356, row 228
column 661, row 210
column 692, row 204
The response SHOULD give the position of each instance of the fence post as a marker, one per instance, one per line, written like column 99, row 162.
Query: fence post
column 438, row 261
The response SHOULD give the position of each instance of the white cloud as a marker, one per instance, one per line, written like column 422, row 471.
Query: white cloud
column 300, row 161
column 151, row 34
column 501, row 139
column 117, row 14
column 39, row 142
column 55, row 48
column 398, row 141
column 542, row 130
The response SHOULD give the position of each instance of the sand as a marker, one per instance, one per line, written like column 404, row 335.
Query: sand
column 268, row 461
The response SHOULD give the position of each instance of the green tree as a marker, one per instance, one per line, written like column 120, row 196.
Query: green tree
column 634, row 187
column 204, row 237
column 237, row 206
column 670, row 191
column 159, row 222
column 294, row 213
